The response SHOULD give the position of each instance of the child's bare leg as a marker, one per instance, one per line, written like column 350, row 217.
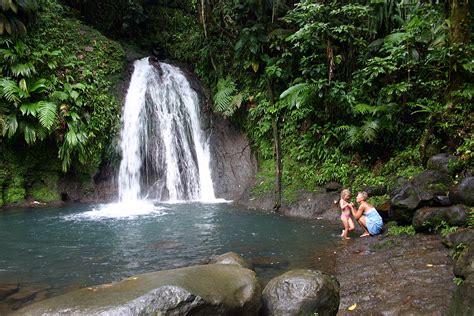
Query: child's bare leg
column 351, row 224
column 363, row 224
column 346, row 228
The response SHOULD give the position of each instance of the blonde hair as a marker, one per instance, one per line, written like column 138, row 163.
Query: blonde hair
column 345, row 192
column 363, row 194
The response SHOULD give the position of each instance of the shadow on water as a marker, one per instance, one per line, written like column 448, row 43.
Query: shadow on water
column 53, row 250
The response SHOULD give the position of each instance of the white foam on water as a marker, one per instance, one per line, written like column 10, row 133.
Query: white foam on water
column 121, row 210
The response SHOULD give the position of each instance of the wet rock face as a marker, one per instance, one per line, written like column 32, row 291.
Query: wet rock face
column 233, row 166
column 301, row 292
column 315, row 205
column 215, row 289
column 463, row 192
column 428, row 218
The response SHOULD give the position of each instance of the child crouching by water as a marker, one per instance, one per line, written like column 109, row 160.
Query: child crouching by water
column 346, row 209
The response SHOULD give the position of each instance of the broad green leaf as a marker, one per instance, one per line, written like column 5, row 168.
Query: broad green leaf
column 30, row 134
column 10, row 126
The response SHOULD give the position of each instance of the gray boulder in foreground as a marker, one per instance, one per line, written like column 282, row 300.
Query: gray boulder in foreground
column 301, row 292
column 214, row 289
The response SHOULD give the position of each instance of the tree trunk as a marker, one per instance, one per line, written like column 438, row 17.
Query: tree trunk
column 459, row 34
column 277, row 153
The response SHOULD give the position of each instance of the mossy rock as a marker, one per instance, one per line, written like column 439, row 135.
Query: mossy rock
column 45, row 189
column 216, row 289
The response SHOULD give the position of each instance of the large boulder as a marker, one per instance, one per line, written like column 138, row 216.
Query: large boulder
column 375, row 190
column 314, row 205
column 440, row 162
column 230, row 258
column 462, row 303
column 301, row 292
column 431, row 183
column 464, row 264
column 215, row 289
column 233, row 165
column 463, row 193
column 423, row 190
column 404, row 202
column 428, row 218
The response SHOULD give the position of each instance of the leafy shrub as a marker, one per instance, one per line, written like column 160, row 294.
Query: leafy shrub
column 399, row 230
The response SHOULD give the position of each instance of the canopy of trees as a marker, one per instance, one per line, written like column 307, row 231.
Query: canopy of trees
column 345, row 85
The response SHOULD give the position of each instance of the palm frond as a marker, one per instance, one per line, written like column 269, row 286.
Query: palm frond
column 298, row 93
column 25, row 70
column 29, row 108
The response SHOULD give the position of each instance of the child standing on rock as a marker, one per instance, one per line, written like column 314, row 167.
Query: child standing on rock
column 346, row 209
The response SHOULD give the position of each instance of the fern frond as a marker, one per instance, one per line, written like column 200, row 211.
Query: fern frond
column 369, row 130
column 10, row 90
column 47, row 114
column 224, row 95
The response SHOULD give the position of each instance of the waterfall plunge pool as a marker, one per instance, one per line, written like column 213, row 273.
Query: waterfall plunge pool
column 79, row 245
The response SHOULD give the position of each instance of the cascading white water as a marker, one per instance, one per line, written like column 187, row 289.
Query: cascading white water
column 165, row 154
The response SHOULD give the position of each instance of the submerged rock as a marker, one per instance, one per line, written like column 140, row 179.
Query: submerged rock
column 8, row 289
column 214, row 289
column 230, row 258
column 301, row 292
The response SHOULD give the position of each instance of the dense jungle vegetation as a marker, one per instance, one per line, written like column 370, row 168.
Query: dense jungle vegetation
column 353, row 91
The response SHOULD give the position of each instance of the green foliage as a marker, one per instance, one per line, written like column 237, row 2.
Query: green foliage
column 458, row 281
column 57, row 87
column 401, row 230
column 14, row 14
column 227, row 100
column 456, row 251
column 443, row 228
column 470, row 219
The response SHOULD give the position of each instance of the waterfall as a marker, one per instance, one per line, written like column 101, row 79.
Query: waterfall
column 165, row 153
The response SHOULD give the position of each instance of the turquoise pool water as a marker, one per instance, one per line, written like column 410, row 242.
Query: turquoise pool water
column 81, row 245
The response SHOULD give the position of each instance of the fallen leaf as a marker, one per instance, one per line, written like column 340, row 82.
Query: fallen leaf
column 352, row 307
